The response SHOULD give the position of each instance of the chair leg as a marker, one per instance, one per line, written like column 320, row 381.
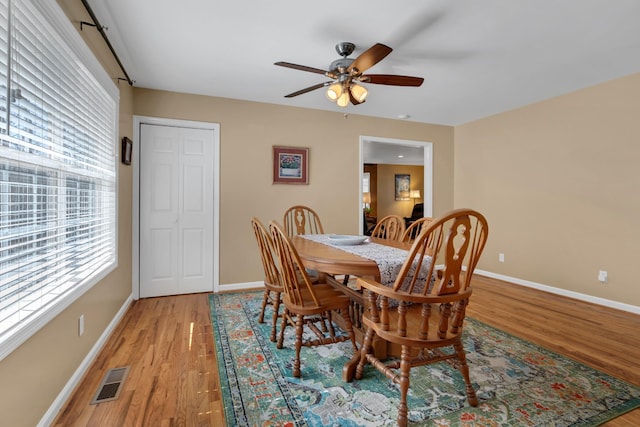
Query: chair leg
column 265, row 300
column 285, row 315
column 323, row 322
column 299, row 329
column 274, row 322
column 405, row 367
column 331, row 330
column 349, row 327
column 464, row 369
column 364, row 350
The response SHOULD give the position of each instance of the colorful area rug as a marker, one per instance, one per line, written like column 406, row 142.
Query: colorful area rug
column 517, row 382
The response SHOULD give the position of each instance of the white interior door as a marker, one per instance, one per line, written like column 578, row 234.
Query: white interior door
column 176, row 210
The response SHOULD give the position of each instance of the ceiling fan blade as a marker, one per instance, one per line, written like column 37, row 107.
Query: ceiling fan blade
column 308, row 89
column 370, row 57
column 300, row 67
column 391, row 79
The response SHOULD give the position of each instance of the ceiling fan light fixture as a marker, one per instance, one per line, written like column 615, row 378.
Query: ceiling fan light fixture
column 343, row 100
column 334, row 92
column 359, row 92
column 345, row 74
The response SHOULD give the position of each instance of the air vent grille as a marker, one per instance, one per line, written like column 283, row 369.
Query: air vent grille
column 109, row 388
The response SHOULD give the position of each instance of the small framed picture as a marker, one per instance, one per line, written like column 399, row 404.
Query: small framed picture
column 127, row 150
column 290, row 165
column 403, row 184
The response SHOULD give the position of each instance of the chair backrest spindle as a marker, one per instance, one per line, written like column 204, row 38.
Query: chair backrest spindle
column 451, row 246
column 301, row 219
column 267, row 253
column 390, row 227
column 414, row 229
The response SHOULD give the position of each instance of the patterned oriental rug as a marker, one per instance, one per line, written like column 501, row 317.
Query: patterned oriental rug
column 517, row 382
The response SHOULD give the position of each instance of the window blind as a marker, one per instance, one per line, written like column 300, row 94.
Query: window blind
column 58, row 229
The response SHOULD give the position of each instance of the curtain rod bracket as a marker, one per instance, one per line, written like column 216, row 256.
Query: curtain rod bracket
column 105, row 38
column 82, row 23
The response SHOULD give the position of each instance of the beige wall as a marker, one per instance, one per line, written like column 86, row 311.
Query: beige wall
column 248, row 130
column 387, row 204
column 34, row 374
column 558, row 182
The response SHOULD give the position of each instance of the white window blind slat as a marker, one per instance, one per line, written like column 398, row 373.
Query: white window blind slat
column 57, row 168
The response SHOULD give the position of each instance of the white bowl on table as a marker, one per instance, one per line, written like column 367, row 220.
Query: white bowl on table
column 347, row 240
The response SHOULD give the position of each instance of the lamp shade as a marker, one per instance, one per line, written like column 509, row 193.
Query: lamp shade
column 334, row 91
column 343, row 100
column 415, row 194
column 358, row 92
column 366, row 197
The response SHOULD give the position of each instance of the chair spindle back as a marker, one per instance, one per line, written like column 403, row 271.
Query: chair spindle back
column 390, row 227
column 301, row 219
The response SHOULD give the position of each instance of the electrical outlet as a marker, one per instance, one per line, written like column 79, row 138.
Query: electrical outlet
column 603, row 276
column 501, row 257
column 81, row 325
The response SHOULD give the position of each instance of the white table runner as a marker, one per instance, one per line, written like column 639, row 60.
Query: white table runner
column 388, row 258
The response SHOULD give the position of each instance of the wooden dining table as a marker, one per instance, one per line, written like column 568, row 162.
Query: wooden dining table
column 331, row 263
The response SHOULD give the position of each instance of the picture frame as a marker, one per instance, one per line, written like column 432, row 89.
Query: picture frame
column 127, row 150
column 290, row 165
column 402, row 186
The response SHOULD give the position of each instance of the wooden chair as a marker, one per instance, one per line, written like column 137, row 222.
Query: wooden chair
column 390, row 227
column 424, row 312
column 306, row 303
column 414, row 229
column 302, row 220
column 272, row 286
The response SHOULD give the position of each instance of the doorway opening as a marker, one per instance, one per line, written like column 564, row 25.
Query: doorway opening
column 389, row 155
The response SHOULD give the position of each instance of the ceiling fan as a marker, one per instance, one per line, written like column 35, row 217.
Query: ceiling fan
column 346, row 75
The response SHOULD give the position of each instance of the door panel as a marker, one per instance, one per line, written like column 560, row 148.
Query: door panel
column 194, row 246
column 176, row 210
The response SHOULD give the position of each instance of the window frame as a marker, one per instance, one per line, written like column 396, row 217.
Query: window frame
column 61, row 24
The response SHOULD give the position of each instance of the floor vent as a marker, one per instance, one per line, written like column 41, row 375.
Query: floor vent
column 109, row 388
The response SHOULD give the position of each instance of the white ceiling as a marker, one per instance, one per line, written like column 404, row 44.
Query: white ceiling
column 379, row 152
column 478, row 58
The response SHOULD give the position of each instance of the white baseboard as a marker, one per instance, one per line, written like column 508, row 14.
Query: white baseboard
column 240, row 286
column 575, row 295
column 51, row 414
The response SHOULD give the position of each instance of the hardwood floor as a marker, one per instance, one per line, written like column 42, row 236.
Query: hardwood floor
column 173, row 380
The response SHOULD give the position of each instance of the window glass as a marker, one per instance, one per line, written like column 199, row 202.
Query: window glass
column 57, row 170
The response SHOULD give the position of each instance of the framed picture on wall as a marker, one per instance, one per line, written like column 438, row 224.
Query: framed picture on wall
column 403, row 184
column 290, row 165
column 127, row 150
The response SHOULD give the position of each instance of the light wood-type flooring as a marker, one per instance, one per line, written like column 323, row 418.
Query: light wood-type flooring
column 173, row 380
